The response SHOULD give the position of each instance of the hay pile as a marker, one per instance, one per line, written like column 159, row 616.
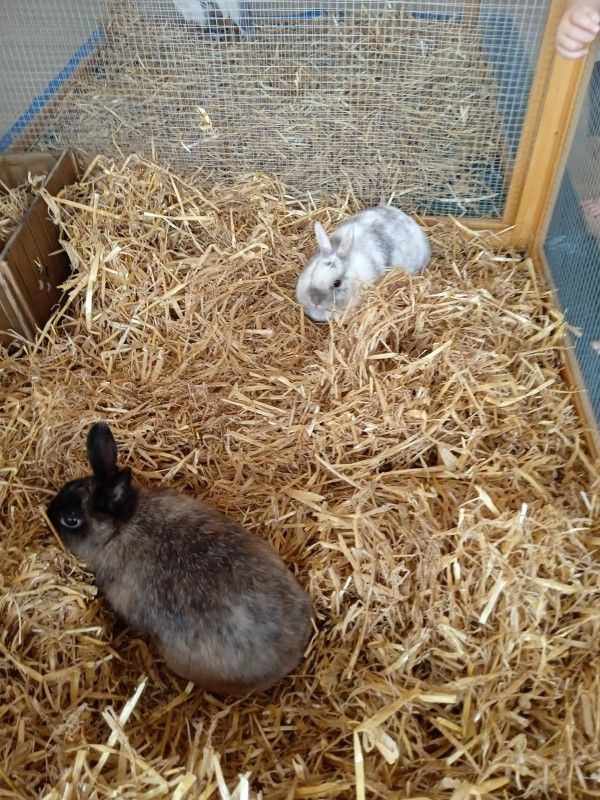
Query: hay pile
column 14, row 202
column 419, row 466
column 380, row 100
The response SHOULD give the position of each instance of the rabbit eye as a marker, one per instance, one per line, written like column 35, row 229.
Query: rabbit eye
column 337, row 284
column 72, row 520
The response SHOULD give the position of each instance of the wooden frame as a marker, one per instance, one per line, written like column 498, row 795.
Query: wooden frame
column 556, row 123
column 475, row 223
column 580, row 82
column 531, row 124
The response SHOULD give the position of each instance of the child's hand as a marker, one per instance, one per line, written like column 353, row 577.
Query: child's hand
column 578, row 28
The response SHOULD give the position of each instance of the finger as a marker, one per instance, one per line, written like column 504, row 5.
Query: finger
column 570, row 42
column 586, row 18
column 570, row 55
column 571, row 49
column 582, row 36
column 591, row 207
column 579, row 32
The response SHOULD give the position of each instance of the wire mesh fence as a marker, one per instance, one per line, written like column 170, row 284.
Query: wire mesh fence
column 422, row 101
column 572, row 246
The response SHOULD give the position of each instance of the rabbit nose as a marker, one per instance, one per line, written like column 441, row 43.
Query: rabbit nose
column 316, row 296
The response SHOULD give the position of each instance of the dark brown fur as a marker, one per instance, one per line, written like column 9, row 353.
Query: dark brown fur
column 220, row 604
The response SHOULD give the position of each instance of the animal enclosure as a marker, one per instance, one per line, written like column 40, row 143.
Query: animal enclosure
column 426, row 466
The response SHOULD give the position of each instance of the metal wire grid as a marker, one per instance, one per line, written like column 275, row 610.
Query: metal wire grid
column 572, row 246
column 424, row 100
column 37, row 40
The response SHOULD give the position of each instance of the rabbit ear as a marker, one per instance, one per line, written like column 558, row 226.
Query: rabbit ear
column 346, row 241
column 121, row 487
column 117, row 497
column 322, row 239
column 102, row 452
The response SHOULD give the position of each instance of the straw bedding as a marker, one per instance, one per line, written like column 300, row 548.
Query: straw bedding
column 381, row 99
column 14, row 202
column 419, row 465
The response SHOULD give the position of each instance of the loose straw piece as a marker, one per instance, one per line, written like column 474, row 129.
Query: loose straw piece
column 126, row 712
column 359, row 768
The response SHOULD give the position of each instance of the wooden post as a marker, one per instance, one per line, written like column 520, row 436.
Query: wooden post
column 556, row 125
column 547, row 202
column 534, row 107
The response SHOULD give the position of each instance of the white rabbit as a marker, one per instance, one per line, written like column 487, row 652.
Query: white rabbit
column 202, row 12
column 360, row 251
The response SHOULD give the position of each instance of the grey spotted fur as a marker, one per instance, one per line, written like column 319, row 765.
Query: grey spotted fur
column 359, row 252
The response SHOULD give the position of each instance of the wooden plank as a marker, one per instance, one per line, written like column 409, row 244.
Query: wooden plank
column 548, row 202
column 556, row 120
column 10, row 320
column 476, row 223
column 33, row 264
column 17, row 307
column 495, row 226
column 63, row 174
column 54, row 261
column 570, row 371
column 39, row 273
column 21, row 258
column 534, row 108
column 14, row 167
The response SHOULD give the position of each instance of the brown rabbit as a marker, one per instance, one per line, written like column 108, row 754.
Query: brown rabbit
column 220, row 604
